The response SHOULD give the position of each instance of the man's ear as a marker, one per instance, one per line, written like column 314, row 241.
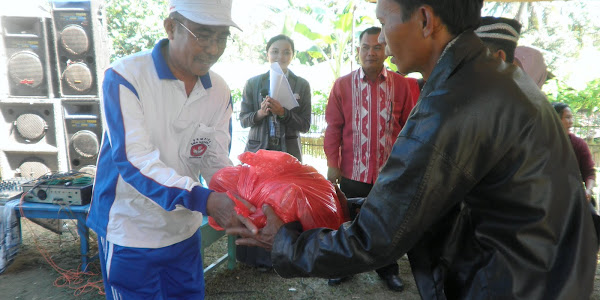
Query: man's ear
column 426, row 18
column 501, row 54
column 169, row 25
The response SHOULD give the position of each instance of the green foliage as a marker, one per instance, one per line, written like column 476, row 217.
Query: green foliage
column 584, row 104
column 236, row 95
column 134, row 25
column 390, row 65
column 319, row 102
column 585, row 100
column 329, row 27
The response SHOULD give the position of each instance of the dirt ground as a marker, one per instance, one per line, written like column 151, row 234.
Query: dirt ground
column 31, row 277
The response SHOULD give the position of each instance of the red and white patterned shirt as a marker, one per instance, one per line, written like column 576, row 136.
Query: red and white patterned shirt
column 364, row 119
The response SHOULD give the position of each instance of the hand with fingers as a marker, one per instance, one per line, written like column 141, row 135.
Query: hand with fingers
column 274, row 106
column 265, row 236
column 222, row 209
column 264, row 109
column 334, row 175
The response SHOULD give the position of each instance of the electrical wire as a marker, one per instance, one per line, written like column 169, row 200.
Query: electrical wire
column 73, row 279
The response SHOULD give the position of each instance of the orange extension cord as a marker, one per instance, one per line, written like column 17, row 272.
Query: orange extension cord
column 73, row 279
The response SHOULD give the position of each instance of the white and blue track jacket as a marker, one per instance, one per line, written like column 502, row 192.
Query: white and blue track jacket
column 157, row 142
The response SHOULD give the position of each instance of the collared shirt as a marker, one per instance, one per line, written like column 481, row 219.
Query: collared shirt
column 584, row 157
column 157, row 141
column 363, row 121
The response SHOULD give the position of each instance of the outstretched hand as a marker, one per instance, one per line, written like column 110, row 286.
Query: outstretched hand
column 265, row 236
column 222, row 209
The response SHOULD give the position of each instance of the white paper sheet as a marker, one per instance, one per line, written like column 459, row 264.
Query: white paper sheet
column 280, row 89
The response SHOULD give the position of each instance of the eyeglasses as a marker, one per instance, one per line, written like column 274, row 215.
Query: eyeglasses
column 206, row 40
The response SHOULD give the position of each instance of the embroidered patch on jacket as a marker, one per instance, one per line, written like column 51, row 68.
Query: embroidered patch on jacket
column 199, row 146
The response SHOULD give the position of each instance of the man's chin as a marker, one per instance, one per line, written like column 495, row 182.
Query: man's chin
column 405, row 69
column 202, row 70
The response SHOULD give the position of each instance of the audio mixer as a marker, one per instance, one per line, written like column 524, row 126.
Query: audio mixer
column 11, row 188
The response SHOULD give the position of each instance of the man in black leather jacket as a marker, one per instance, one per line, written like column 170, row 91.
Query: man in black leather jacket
column 481, row 190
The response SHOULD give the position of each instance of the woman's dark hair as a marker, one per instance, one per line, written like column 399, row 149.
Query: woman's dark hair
column 280, row 37
column 559, row 107
column 458, row 16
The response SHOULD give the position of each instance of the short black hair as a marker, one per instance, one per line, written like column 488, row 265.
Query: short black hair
column 370, row 30
column 280, row 37
column 457, row 15
column 560, row 107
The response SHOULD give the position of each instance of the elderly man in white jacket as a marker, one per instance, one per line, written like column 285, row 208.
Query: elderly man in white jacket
column 167, row 122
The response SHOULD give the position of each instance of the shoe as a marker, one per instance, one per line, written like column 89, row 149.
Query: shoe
column 394, row 283
column 337, row 281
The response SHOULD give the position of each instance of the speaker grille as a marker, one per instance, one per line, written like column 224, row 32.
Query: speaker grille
column 25, row 69
column 31, row 126
column 78, row 77
column 74, row 39
column 91, row 170
column 33, row 169
column 85, row 143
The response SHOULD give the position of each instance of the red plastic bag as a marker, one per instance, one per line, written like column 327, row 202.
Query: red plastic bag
column 296, row 192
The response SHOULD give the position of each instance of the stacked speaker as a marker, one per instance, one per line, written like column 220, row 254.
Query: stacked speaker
column 51, row 67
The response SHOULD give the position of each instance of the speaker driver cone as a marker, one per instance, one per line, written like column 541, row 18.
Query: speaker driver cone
column 78, row 77
column 74, row 39
column 85, row 143
column 33, row 169
column 31, row 126
column 25, row 69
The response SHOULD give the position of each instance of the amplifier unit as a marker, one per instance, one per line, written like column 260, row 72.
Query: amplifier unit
column 66, row 194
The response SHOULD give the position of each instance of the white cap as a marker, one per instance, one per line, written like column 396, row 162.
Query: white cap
column 206, row 12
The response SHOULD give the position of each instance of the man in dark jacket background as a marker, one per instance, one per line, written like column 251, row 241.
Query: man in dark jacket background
column 481, row 188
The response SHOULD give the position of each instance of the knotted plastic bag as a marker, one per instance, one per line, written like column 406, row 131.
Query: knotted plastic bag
column 296, row 192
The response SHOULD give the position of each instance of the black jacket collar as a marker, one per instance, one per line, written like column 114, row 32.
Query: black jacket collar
column 464, row 47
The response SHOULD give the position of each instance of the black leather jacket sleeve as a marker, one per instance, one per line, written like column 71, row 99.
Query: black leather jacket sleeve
column 385, row 228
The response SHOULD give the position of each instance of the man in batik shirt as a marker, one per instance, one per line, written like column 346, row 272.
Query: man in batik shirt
column 365, row 112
